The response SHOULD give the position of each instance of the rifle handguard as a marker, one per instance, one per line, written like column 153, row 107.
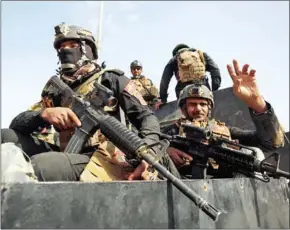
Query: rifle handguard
column 125, row 139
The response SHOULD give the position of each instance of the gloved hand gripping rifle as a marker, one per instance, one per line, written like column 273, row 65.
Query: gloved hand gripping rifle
column 93, row 117
column 201, row 144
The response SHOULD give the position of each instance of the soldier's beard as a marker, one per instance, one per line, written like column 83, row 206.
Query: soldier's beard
column 199, row 117
column 136, row 73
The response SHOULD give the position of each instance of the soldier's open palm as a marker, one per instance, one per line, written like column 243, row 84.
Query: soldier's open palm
column 244, row 82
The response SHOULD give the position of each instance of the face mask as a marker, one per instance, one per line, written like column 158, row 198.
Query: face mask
column 70, row 57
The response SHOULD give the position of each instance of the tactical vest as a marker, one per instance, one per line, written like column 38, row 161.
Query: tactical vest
column 191, row 65
column 84, row 89
column 219, row 129
column 147, row 89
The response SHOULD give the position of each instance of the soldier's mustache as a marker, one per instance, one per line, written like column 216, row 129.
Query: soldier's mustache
column 197, row 114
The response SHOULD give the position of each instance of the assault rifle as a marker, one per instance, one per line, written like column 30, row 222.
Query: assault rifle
column 201, row 144
column 93, row 117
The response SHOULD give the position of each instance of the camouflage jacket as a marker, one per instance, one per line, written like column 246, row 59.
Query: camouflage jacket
column 268, row 135
column 147, row 89
column 129, row 99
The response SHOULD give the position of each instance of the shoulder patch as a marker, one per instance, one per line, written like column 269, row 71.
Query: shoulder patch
column 131, row 88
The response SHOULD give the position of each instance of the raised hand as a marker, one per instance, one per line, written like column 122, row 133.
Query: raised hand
column 245, row 86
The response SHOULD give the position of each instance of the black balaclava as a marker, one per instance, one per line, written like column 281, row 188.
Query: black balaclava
column 73, row 58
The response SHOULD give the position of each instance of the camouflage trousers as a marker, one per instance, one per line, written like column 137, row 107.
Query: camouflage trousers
column 52, row 165
column 100, row 166
column 106, row 164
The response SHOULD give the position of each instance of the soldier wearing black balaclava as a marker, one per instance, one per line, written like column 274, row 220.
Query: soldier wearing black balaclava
column 78, row 55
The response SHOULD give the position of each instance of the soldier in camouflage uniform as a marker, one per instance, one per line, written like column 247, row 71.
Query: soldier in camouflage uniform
column 196, row 103
column 145, row 86
column 101, row 160
column 189, row 66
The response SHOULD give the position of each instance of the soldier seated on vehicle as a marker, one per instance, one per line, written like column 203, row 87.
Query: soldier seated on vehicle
column 144, row 85
column 101, row 160
column 189, row 66
column 196, row 103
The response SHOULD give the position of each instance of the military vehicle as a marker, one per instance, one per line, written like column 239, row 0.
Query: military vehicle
column 243, row 202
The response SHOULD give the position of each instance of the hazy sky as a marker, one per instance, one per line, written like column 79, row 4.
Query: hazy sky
column 256, row 33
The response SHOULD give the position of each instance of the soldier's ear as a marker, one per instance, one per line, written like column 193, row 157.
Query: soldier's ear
column 184, row 110
column 209, row 110
column 209, row 105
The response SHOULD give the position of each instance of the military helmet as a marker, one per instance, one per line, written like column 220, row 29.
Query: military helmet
column 136, row 63
column 195, row 91
column 179, row 47
column 64, row 32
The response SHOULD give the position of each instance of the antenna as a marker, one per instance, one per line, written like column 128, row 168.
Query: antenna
column 100, row 25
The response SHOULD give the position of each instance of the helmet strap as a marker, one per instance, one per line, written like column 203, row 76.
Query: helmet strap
column 83, row 59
